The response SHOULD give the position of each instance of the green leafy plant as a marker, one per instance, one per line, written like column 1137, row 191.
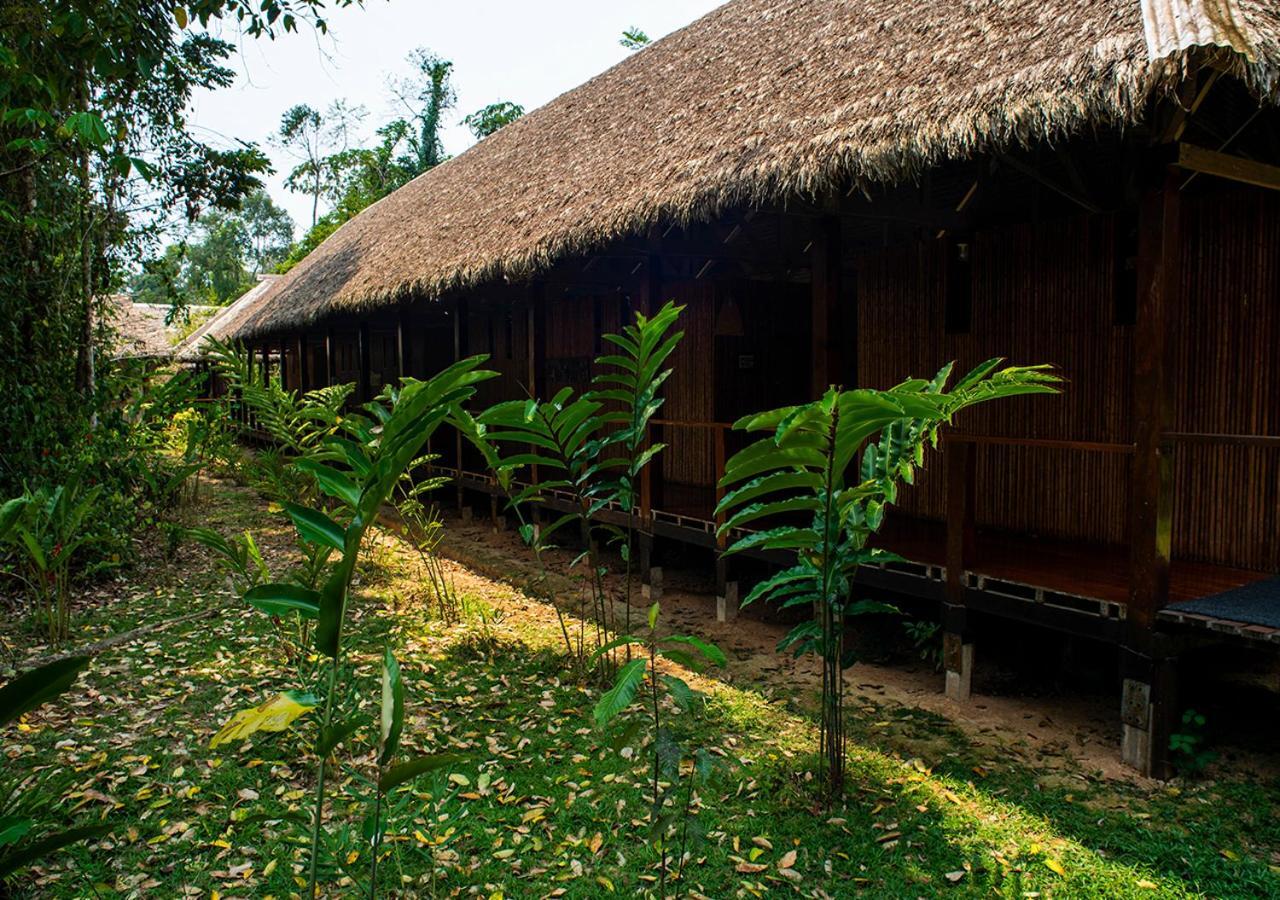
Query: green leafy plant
column 590, row 450
column 44, row 527
column 1187, row 746
column 822, row 477
column 21, row 804
column 424, row 529
column 926, row 640
column 670, row 808
column 358, row 472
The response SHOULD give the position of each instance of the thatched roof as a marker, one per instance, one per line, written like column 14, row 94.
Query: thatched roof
column 756, row 101
column 141, row 331
column 226, row 322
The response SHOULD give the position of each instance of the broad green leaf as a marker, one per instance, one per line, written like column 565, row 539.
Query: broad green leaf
column 331, row 481
column 714, row 654
column 619, row 697
column 335, row 735
column 38, row 686
column 406, row 771
column 315, row 527
column 12, row 828
column 39, row 851
column 283, row 599
column 392, row 718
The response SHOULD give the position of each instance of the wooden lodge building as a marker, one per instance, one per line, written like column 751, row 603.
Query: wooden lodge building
column 855, row 191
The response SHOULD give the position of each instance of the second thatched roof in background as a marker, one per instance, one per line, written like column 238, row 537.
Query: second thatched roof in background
column 758, row 100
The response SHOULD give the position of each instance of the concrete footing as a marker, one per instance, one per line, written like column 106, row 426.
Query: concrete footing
column 727, row 603
column 957, row 657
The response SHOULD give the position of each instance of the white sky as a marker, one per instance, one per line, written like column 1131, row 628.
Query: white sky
column 524, row 52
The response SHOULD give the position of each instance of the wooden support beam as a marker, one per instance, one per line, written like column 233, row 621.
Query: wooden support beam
column 536, row 324
column 825, row 305
column 460, row 327
column 305, row 377
column 285, row 380
column 961, row 537
column 328, row 358
column 1150, row 482
column 649, row 302
column 1232, row 168
column 362, row 360
column 1040, row 178
column 400, row 355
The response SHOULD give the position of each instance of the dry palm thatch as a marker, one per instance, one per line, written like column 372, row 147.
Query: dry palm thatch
column 224, row 325
column 762, row 99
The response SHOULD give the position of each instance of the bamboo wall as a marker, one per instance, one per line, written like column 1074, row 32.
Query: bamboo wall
column 1046, row 293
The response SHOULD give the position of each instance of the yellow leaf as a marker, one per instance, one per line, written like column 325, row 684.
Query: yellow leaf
column 274, row 715
column 788, row 860
column 1147, row 885
column 1055, row 866
column 353, row 856
column 269, row 868
column 1231, row 854
column 605, row 883
column 597, row 841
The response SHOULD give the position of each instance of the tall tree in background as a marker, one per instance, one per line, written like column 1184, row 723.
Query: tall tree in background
column 484, row 122
column 426, row 95
column 315, row 139
column 220, row 258
column 93, row 135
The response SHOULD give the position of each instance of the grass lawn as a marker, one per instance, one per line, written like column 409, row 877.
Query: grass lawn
column 544, row 804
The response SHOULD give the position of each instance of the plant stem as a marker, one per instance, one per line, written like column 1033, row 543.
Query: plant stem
column 319, row 812
column 657, row 798
column 377, row 843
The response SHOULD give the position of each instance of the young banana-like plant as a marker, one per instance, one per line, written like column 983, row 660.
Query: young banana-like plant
column 668, row 814
column 632, row 381
column 590, row 449
column 358, row 473
column 821, row 479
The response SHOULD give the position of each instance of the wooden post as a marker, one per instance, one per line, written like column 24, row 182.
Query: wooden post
column 649, row 302
column 825, row 287
column 304, row 376
column 328, row 358
column 957, row 646
column 1148, row 704
column 460, row 326
column 285, row 381
column 362, row 348
column 400, row 358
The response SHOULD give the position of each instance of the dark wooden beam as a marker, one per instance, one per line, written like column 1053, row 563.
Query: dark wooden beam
column 825, row 304
column 1150, row 484
column 400, row 360
column 1040, row 178
column 1224, row 165
column 304, row 376
column 328, row 358
column 362, row 360
column 536, row 324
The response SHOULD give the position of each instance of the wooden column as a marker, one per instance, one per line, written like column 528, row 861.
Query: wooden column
column 362, row 359
column 285, row 381
column 1148, row 703
column 649, row 301
column 825, row 329
column 328, row 358
column 1150, row 482
column 957, row 646
column 460, row 334
column 400, row 359
column 266, row 363
column 300, row 346
column 536, row 311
